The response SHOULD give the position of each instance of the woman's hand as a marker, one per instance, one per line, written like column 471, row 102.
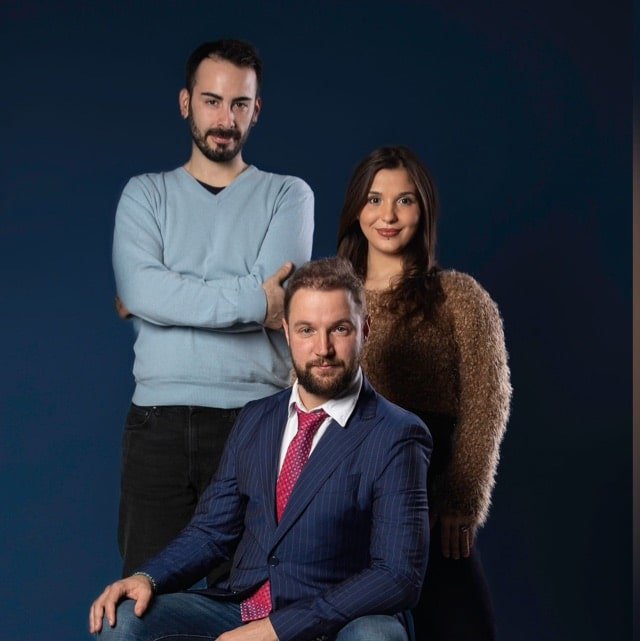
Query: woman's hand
column 457, row 533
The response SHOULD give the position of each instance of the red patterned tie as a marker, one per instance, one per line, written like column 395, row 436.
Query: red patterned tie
column 258, row 605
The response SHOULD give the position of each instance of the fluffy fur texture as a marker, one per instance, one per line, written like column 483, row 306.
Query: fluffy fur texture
column 454, row 365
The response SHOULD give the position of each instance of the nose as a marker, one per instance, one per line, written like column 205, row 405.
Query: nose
column 324, row 346
column 388, row 213
column 225, row 117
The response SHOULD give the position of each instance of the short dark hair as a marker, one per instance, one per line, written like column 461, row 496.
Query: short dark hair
column 238, row 52
column 326, row 274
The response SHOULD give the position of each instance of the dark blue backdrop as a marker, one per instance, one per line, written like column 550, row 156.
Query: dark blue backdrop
column 522, row 110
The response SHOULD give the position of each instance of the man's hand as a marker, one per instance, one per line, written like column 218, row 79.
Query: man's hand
column 275, row 296
column 260, row 630
column 136, row 587
column 458, row 533
column 121, row 310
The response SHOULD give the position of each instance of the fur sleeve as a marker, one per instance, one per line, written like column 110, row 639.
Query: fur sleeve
column 484, row 397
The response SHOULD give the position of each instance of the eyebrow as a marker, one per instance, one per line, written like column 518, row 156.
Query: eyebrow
column 342, row 321
column 210, row 94
column 404, row 193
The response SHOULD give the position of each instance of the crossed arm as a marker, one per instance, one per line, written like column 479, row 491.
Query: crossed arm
column 151, row 290
column 273, row 290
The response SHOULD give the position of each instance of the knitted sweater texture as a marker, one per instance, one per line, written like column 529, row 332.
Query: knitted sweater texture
column 453, row 365
column 189, row 265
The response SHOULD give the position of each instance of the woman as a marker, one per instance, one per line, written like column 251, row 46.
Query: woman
column 436, row 347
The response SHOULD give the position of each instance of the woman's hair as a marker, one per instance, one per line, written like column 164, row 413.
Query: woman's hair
column 417, row 291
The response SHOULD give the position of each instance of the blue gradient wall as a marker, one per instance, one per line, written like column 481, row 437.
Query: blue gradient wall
column 524, row 115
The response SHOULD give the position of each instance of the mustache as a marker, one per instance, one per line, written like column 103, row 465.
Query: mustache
column 221, row 132
column 335, row 362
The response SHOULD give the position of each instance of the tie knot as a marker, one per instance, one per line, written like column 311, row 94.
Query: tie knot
column 309, row 422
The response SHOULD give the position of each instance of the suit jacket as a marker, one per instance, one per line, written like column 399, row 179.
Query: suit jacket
column 354, row 536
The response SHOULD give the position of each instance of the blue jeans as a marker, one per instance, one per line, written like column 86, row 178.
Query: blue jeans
column 187, row 616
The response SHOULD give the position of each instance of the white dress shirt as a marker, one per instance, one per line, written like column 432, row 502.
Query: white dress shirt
column 338, row 409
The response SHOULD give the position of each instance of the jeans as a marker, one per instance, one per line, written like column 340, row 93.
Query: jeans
column 188, row 616
column 169, row 454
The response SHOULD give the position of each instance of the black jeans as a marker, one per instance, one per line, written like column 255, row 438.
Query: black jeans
column 169, row 454
column 455, row 604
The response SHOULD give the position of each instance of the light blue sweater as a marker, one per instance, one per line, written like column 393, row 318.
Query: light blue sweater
column 189, row 265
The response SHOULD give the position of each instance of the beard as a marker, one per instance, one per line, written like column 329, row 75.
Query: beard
column 326, row 386
column 218, row 154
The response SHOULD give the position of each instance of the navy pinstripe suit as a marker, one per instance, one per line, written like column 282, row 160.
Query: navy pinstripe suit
column 353, row 539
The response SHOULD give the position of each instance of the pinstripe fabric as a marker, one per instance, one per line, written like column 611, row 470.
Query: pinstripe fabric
column 258, row 605
column 353, row 539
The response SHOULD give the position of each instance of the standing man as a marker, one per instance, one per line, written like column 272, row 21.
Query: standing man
column 200, row 254
column 337, row 545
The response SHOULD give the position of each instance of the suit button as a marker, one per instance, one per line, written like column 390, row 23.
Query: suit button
column 273, row 561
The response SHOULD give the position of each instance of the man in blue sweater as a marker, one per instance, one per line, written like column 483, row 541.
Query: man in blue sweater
column 199, row 255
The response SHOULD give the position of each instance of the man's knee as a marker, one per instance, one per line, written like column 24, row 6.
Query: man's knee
column 373, row 628
column 128, row 626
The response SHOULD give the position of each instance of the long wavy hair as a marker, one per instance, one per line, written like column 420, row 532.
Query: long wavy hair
column 418, row 290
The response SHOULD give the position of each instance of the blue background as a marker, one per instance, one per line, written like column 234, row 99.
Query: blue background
column 522, row 112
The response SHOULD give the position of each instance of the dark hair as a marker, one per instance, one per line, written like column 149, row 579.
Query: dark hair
column 326, row 274
column 417, row 291
column 238, row 52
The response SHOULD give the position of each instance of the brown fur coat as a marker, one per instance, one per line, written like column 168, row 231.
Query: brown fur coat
column 453, row 365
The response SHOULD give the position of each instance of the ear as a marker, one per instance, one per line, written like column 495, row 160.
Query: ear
column 285, row 326
column 366, row 327
column 184, row 99
column 256, row 111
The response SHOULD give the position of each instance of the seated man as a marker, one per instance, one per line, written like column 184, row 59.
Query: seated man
column 333, row 547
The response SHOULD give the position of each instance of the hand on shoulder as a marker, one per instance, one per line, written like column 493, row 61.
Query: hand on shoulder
column 274, row 291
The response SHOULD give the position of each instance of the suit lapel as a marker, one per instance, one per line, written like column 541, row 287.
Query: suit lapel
column 268, row 455
column 336, row 443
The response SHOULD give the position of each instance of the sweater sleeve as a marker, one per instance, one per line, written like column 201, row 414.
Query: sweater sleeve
column 155, row 293
column 484, row 398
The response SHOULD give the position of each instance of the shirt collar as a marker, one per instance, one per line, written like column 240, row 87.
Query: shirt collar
column 339, row 408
